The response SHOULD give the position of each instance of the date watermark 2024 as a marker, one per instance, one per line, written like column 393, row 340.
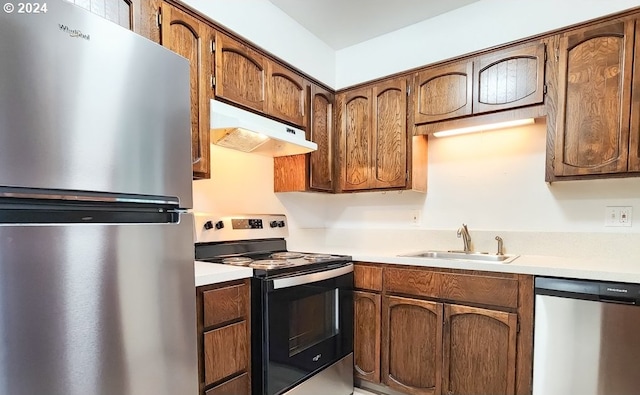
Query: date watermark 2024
column 25, row 8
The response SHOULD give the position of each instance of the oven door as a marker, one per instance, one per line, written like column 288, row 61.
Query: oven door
column 309, row 321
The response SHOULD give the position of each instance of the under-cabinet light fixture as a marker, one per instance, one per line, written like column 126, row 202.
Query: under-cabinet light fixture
column 488, row 126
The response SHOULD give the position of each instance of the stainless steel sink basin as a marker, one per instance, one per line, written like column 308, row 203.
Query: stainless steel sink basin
column 468, row 256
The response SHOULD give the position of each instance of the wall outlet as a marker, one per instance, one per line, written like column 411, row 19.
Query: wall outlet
column 416, row 217
column 618, row 216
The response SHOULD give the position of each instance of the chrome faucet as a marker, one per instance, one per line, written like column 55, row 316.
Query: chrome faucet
column 464, row 233
column 500, row 245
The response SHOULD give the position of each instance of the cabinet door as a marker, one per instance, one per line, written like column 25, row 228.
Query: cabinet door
column 509, row 79
column 389, row 145
column 366, row 346
column 191, row 38
column 226, row 352
column 594, row 92
column 321, row 127
column 355, row 123
column 634, row 138
column 412, row 345
column 240, row 73
column 287, row 95
column 442, row 93
column 479, row 351
column 122, row 12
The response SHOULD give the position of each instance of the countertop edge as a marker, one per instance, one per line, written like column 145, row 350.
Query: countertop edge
column 214, row 273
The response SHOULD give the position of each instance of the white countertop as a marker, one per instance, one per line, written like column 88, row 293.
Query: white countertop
column 213, row 273
column 539, row 265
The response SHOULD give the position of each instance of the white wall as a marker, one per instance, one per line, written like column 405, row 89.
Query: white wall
column 491, row 181
column 477, row 26
column 268, row 27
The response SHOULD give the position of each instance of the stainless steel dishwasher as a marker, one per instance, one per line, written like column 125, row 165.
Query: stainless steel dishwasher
column 587, row 338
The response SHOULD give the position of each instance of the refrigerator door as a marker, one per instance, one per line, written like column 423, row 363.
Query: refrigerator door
column 98, row 309
column 88, row 105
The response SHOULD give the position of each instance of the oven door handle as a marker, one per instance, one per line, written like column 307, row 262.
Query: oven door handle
column 280, row 283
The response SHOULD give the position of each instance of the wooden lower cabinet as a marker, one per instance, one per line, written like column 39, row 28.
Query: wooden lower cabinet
column 224, row 341
column 412, row 351
column 444, row 331
column 366, row 342
column 479, row 351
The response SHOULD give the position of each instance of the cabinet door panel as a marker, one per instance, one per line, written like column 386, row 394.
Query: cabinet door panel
column 240, row 73
column 412, row 352
column 509, row 79
column 356, row 139
column 479, row 351
column 443, row 93
column 225, row 352
column 321, row 125
column 287, row 94
column 190, row 38
column 389, row 153
column 367, row 336
column 592, row 127
column 634, row 138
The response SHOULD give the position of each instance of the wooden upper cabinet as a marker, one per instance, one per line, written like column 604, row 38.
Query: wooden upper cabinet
column 389, row 154
column 123, row 12
column 443, row 92
column 241, row 73
column 479, row 351
column 634, row 137
column 321, row 133
column 354, row 118
column 287, row 95
column 366, row 343
column 594, row 98
column 412, row 345
column 373, row 139
column 191, row 38
column 509, row 78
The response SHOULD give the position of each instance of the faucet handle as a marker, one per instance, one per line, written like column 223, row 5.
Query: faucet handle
column 500, row 245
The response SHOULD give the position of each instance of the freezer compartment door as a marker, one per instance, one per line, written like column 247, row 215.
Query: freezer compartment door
column 88, row 105
column 98, row 309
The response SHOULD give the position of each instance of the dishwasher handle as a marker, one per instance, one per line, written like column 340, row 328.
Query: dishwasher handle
column 607, row 292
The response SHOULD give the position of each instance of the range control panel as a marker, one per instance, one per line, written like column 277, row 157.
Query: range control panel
column 210, row 227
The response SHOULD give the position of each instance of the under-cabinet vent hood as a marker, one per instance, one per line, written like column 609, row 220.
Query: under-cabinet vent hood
column 233, row 127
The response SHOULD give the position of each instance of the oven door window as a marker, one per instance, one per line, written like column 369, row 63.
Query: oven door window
column 312, row 320
column 310, row 326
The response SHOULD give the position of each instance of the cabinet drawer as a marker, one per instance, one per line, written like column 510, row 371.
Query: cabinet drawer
column 225, row 304
column 453, row 286
column 367, row 277
column 226, row 352
column 236, row 386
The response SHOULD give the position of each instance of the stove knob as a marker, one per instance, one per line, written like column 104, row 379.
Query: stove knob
column 280, row 224
column 273, row 224
column 208, row 225
column 219, row 225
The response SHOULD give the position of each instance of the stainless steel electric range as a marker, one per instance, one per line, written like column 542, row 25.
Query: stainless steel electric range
column 302, row 305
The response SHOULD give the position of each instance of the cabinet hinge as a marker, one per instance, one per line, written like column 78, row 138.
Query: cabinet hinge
column 213, row 46
column 158, row 18
column 518, row 326
column 557, row 53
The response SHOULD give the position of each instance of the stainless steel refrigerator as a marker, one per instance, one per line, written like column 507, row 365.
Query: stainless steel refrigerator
column 96, row 248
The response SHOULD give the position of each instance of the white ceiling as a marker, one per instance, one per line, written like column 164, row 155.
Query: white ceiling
column 342, row 23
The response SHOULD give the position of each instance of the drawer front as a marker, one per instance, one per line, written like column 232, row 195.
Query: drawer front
column 367, row 277
column 226, row 352
column 453, row 286
column 225, row 304
column 235, row 386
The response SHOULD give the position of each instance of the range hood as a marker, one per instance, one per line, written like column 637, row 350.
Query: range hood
column 233, row 127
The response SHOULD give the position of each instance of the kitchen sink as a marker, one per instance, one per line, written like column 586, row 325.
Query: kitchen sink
column 468, row 256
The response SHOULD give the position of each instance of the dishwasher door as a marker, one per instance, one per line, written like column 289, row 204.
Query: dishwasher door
column 587, row 338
